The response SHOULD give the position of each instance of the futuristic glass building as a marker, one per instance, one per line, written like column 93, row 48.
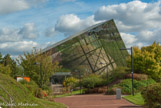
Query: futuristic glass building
column 93, row 50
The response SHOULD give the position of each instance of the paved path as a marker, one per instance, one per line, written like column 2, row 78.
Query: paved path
column 95, row 101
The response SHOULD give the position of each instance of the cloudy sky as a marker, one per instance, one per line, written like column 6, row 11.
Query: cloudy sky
column 25, row 24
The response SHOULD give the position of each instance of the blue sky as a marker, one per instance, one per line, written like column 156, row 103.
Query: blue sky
column 25, row 24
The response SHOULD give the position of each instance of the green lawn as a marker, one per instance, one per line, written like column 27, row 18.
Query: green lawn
column 136, row 99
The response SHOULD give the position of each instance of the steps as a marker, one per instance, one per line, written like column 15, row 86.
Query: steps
column 57, row 88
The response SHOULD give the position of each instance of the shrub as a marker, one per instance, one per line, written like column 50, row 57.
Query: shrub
column 126, row 85
column 115, row 75
column 31, row 86
column 137, row 76
column 47, row 88
column 152, row 95
column 39, row 93
column 92, row 81
column 111, row 91
column 70, row 83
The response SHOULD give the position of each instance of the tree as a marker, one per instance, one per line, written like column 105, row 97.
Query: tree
column 0, row 58
column 7, row 65
column 33, row 71
column 5, row 69
column 7, row 61
column 147, row 60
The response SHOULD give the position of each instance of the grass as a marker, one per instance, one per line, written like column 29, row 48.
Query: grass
column 69, row 94
column 21, row 95
column 136, row 99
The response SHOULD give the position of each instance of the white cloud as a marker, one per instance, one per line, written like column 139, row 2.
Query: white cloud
column 128, row 39
column 138, row 22
column 10, row 35
column 19, row 47
column 49, row 32
column 150, row 36
column 71, row 23
column 134, row 15
column 139, row 44
column 15, row 48
column 29, row 31
column 9, row 6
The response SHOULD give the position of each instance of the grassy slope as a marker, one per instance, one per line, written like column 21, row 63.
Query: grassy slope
column 21, row 95
column 136, row 99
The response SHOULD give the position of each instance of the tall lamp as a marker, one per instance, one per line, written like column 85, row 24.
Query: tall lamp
column 132, row 70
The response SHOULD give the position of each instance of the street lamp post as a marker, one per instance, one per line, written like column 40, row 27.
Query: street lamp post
column 40, row 73
column 132, row 71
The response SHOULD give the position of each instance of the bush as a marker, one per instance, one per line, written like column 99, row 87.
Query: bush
column 126, row 85
column 70, row 83
column 137, row 76
column 31, row 86
column 47, row 88
column 111, row 91
column 152, row 95
column 39, row 93
column 115, row 75
column 34, row 89
column 92, row 81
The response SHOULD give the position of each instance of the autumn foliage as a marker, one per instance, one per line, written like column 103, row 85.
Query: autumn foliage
column 147, row 60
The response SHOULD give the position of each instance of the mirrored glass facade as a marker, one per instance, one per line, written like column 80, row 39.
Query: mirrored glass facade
column 94, row 50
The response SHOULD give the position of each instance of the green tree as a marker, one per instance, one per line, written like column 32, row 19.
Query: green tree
column 7, row 61
column 33, row 71
column 8, row 65
column 147, row 60
column 0, row 58
column 5, row 69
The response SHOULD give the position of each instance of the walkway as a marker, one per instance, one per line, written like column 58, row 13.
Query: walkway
column 95, row 101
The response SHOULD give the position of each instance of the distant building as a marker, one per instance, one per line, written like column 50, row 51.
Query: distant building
column 93, row 50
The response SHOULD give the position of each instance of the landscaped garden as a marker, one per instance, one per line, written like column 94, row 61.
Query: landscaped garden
column 147, row 80
column 147, row 77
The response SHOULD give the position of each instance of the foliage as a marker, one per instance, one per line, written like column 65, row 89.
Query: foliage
column 117, row 74
column 44, row 65
column 91, row 81
column 126, row 85
column 111, row 91
column 152, row 95
column 31, row 86
column 70, row 83
column 7, row 61
column 137, row 76
column 5, row 69
column 8, row 66
column 147, row 60
column 39, row 93
column 136, row 99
